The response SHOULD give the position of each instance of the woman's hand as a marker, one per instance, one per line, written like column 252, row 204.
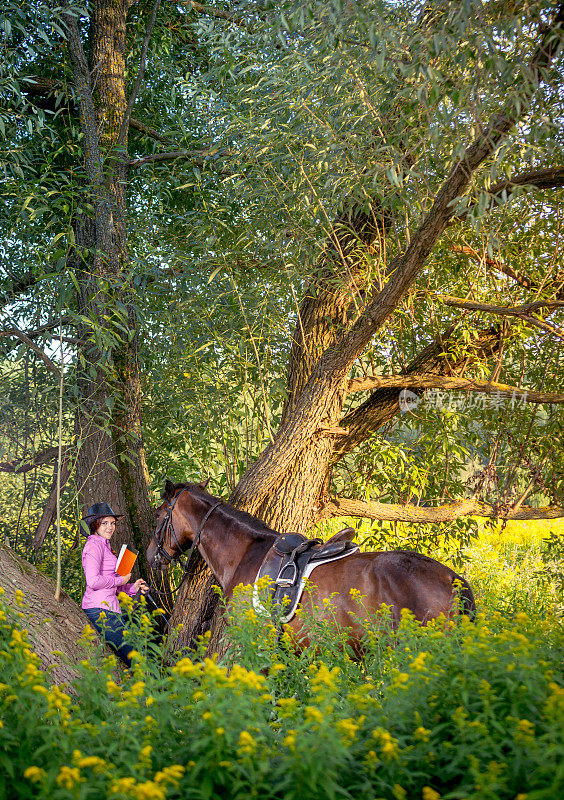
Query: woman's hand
column 140, row 585
column 125, row 578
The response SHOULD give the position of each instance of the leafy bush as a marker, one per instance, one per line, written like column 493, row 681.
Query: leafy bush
column 453, row 710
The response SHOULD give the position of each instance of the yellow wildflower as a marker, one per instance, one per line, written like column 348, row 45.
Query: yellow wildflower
column 422, row 734
column 247, row 745
column 288, row 706
column 112, row 688
column 525, row 726
column 186, row 668
column 19, row 597
column 418, row 663
column 400, row 680
column 289, row 740
column 92, row 762
column 429, row 794
column 68, row 776
column 34, row 774
column 525, row 730
column 313, row 714
column 125, row 600
column 122, row 785
column 399, row 792
column 348, row 727
column 170, row 774
column 324, row 679
column 388, row 745
column 150, row 790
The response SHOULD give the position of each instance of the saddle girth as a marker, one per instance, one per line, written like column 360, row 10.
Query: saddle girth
column 288, row 564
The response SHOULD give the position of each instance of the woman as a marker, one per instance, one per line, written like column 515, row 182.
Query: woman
column 102, row 581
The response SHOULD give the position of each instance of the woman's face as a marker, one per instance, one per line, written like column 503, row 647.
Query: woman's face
column 106, row 527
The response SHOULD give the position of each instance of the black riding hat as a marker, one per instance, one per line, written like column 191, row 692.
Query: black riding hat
column 99, row 510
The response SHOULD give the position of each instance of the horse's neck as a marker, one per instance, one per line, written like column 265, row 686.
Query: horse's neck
column 232, row 550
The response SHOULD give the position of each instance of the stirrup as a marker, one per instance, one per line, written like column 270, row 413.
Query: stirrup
column 280, row 581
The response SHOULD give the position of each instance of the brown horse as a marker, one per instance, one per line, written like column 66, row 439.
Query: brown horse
column 234, row 544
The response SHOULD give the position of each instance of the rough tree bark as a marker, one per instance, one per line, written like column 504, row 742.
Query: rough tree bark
column 111, row 462
column 287, row 485
column 54, row 626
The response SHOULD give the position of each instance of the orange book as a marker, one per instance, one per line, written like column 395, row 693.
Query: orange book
column 126, row 559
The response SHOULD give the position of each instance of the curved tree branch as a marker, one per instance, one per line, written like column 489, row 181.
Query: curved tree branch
column 17, row 467
column 438, row 358
column 32, row 346
column 521, row 312
column 405, row 512
column 431, row 381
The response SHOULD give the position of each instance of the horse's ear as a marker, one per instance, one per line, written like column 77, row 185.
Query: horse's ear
column 204, row 484
column 169, row 489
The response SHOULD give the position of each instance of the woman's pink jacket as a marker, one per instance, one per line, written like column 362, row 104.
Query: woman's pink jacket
column 102, row 581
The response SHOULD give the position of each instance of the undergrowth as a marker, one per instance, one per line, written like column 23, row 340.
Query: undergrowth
column 453, row 710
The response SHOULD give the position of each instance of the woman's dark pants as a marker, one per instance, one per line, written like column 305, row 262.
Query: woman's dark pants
column 112, row 629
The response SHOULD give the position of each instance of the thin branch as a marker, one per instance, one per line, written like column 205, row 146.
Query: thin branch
column 199, row 157
column 83, row 88
column 50, row 507
column 49, row 326
column 41, row 86
column 442, row 357
column 141, row 71
column 522, row 312
column 526, row 308
column 169, row 156
column 519, row 278
column 17, row 467
column 217, row 13
column 405, row 512
column 147, row 131
column 431, row 381
column 550, row 178
column 32, row 346
column 18, row 287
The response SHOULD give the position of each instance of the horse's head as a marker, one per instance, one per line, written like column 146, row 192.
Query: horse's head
column 175, row 524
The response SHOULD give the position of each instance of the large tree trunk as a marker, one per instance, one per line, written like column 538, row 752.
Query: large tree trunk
column 54, row 627
column 338, row 318
column 111, row 464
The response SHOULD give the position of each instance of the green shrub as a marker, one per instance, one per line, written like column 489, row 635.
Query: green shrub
column 452, row 710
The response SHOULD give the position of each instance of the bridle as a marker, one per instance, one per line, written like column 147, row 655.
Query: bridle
column 166, row 525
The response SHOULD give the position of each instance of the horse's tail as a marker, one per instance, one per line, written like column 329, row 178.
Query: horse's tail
column 465, row 595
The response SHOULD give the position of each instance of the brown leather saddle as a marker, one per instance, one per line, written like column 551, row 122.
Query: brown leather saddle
column 290, row 561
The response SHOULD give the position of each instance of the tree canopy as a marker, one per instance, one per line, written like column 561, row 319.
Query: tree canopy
column 312, row 249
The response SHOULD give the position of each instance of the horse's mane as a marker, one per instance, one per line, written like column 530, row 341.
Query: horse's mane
column 256, row 525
